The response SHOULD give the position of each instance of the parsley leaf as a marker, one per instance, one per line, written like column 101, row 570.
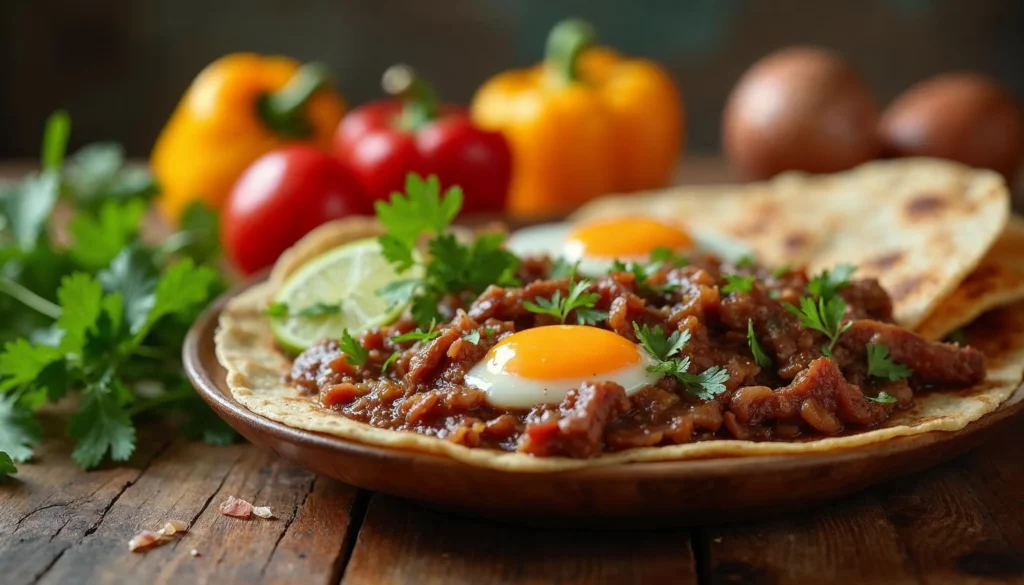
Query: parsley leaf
column 881, row 365
column 578, row 300
column 824, row 316
column 355, row 353
column 882, row 398
column 472, row 337
column 420, row 211
column 418, row 335
column 737, row 283
column 827, row 284
column 19, row 431
column 760, row 356
column 99, row 173
column 781, row 271
column 662, row 348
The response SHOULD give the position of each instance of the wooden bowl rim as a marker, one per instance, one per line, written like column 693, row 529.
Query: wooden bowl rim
column 229, row 409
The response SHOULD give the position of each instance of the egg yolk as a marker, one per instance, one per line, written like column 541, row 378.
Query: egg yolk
column 562, row 351
column 626, row 237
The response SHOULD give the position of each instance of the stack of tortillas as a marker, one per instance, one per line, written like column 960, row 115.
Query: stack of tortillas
column 937, row 235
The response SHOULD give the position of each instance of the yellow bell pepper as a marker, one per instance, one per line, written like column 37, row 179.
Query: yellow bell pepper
column 584, row 123
column 237, row 109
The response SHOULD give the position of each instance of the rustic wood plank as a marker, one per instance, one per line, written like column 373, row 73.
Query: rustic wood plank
column 955, row 533
column 52, row 505
column 848, row 543
column 402, row 542
column 306, row 541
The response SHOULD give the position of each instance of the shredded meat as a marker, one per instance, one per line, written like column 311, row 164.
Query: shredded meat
column 809, row 386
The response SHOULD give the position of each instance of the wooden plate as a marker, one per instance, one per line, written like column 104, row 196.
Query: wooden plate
column 635, row 495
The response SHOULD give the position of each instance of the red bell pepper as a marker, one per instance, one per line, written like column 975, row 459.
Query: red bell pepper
column 386, row 139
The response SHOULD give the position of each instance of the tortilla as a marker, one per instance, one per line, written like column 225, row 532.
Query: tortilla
column 256, row 368
column 918, row 225
column 996, row 282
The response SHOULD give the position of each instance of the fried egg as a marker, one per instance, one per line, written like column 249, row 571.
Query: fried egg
column 540, row 365
column 596, row 245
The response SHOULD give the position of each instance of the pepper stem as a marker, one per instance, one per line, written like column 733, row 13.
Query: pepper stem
column 566, row 41
column 419, row 102
column 282, row 110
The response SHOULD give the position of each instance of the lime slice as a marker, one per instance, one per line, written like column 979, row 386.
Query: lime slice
column 346, row 277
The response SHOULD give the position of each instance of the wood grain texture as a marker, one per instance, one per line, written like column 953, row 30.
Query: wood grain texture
column 402, row 542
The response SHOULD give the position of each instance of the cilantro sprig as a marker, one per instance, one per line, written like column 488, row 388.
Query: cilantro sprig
column 823, row 311
column 100, row 314
column 881, row 364
column 882, row 398
column 642, row 274
column 578, row 300
column 664, row 350
column 452, row 267
column 738, row 283
column 418, row 334
column 355, row 353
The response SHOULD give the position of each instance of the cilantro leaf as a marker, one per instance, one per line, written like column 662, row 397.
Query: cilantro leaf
column 707, row 384
column 562, row 268
column 472, row 337
column 737, row 283
column 882, row 398
column 99, row 173
column 387, row 363
column 760, row 356
column 7, row 466
column 657, row 344
column 746, row 261
column 578, row 299
column 781, row 271
column 319, row 309
column 99, row 239
column 21, row 363
column 132, row 274
column 881, row 365
column 199, row 235
column 183, row 288
column 19, row 430
column 420, row 211
column 399, row 292
column 641, row 276
column 827, row 284
column 80, row 298
column 355, row 353
column 418, row 335
column 102, row 425
column 824, row 316
column 666, row 256
column 28, row 206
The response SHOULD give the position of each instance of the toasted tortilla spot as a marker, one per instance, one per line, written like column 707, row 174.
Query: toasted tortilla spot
column 885, row 261
column 925, row 205
column 797, row 241
column 906, row 287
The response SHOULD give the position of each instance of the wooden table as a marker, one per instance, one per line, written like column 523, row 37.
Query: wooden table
column 962, row 522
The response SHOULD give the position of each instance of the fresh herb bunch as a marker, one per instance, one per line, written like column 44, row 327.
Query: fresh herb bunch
column 103, row 316
column 452, row 267
column 578, row 300
column 664, row 349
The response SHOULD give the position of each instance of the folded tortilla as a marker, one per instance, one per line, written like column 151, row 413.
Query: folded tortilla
column 918, row 225
column 997, row 281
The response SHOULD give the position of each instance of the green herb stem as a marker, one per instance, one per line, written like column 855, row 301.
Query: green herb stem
column 29, row 298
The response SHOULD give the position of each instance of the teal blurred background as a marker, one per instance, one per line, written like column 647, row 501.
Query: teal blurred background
column 119, row 66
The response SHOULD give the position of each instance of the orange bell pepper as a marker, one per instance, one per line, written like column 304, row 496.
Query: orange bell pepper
column 240, row 107
column 583, row 123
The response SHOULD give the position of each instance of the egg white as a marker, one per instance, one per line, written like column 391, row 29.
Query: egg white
column 553, row 239
column 507, row 390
